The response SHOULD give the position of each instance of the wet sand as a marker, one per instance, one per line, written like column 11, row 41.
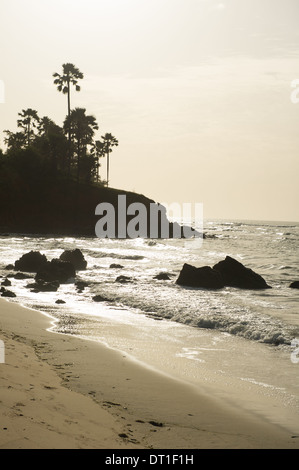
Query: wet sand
column 60, row 391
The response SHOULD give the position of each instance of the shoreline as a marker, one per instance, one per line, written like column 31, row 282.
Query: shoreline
column 60, row 391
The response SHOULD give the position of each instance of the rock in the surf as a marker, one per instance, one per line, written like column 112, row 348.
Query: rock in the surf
column 294, row 285
column 56, row 270
column 235, row 274
column 7, row 293
column 162, row 277
column 75, row 257
column 204, row 277
column 31, row 262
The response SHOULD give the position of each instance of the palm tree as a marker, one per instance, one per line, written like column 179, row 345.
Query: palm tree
column 45, row 125
column 97, row 151
column 81, row 128
column 109, row 141
column 28, row 122
column 15, row 141
column 52, row 143
column 70, row 76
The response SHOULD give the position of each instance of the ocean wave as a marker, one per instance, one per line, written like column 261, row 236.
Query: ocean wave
column 209, row 312
column 104, row 254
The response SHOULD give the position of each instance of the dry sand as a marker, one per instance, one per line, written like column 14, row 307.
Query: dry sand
column 59, row 391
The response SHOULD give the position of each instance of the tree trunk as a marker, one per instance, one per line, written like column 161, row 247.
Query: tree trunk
column 107, row 169
column 78, row 162
column 69, row 113
column 28, row 134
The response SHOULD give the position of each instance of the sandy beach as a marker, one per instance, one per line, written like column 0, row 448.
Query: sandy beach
column 60, row 391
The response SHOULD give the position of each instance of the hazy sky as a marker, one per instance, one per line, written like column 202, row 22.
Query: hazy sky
column 196, row 91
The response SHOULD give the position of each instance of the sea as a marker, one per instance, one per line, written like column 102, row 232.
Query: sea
column 241, row 345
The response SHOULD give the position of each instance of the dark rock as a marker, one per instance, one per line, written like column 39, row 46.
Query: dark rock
column 59, row 301
column 9, row 267
column 116, row 266
column 162, row 277
column 56, row 270
column 123, row 279
column 235, row 274
column 22, row 276
column 204, row 277
column 6, row 282
column 294, row 285
column 42, row 286
column 75, row 257
column 31, row 286
column 8, row 293
column 99, row 298
column 31, row 262
column 81, row 285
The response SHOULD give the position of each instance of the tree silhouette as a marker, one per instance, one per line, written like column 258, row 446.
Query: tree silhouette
column 52, row 143
column 97, row 151
column 70, row 76
column 28, row 122
column 45, row 125
column 15, row 140
column 81, row 128
column 109, row 141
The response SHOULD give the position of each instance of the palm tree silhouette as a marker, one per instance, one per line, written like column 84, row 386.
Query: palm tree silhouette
column 28, row 122
column 97, row 151
column 109, row 141
column 70, row 76
column 15, row 140
column 81, row 127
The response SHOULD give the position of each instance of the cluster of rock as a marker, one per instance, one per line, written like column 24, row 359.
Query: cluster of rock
column 49, row 274
column 228, row 272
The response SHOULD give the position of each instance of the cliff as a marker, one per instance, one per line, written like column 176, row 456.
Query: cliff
column 64, row 207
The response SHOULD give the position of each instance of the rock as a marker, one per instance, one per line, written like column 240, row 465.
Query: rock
column 59, row 301
column 22, row 276
column 204, row 277
column 116, row 266
column 56, row 270
column 162, row 277
column 235, row 274
column 99, row 298
column 31, row 262
column 294, row 285
column 6, row 282
column 75, row 257
column 43, row 286
column 8, row 293
column 9, row 267
column 123, row 279
column 80, row 285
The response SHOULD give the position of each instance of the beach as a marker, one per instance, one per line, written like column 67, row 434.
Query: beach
column 61, row 391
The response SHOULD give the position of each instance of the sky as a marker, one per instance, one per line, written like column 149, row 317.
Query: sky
column 198, row 93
